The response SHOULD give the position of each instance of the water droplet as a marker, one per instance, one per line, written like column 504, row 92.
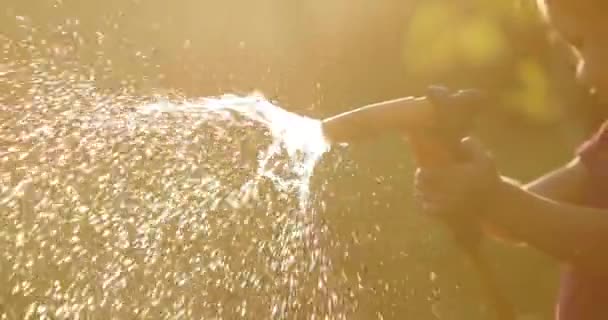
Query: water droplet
column 137, row 200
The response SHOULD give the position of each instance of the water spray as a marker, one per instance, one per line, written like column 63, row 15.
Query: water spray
column 433, row 126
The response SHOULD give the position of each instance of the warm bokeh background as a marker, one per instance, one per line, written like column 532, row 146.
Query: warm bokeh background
column 319, row 57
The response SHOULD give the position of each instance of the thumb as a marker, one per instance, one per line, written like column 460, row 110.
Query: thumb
column 475, row 149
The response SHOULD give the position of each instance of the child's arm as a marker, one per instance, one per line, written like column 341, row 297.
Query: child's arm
column 572, row 234
column 565, row 184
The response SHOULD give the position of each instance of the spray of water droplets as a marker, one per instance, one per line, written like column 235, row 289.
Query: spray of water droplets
column 300, row 137
column 117, row 206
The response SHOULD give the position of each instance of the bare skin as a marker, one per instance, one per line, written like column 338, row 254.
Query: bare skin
column 582, row 25
column 543, row 213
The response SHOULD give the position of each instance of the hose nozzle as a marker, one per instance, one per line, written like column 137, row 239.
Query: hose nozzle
column 439, row 109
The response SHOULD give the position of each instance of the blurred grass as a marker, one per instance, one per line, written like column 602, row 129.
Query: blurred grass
column 321, row 57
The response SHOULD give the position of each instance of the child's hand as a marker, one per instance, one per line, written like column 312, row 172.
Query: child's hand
column 457, row 188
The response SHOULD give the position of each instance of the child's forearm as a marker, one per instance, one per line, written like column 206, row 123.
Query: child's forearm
column 564, row 184
column 570, row 233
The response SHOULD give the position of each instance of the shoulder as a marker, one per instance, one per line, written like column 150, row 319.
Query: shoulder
column 593, row 153
column 593, row 157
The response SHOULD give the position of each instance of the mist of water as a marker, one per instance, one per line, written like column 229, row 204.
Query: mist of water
column 300, row 137
column 120, row 205
column 171, row 208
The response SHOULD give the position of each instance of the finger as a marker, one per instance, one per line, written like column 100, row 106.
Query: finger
column 475, row 149
column 445, row 196
column 438, row 95
column 422, row 196
column 448, row 175
column 437, row 204
column 419, row 200
column 432, row 209
column 440, row 208
column 426, row 200
column 433, row 175
column 425, row 150
column 425, row 205
column 427, row 181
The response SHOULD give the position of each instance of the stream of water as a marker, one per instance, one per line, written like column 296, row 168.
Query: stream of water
column 118, row 206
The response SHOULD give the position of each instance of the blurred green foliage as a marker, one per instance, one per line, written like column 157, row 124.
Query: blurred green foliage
column 320, row 57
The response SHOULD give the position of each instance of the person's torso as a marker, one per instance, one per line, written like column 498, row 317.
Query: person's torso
column 584, row 296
